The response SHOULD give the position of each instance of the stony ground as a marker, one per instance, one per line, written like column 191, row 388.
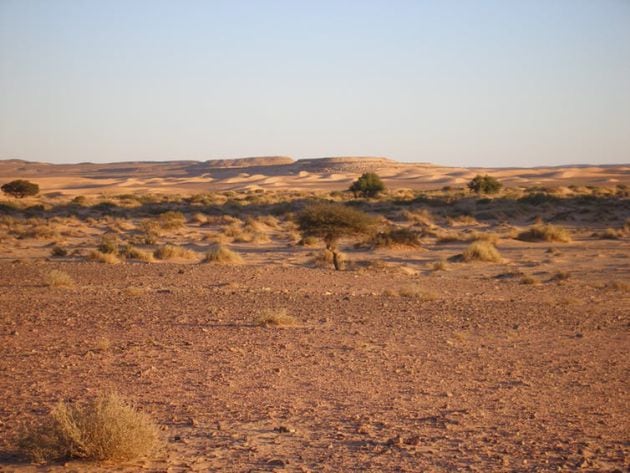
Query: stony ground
column 472, row 372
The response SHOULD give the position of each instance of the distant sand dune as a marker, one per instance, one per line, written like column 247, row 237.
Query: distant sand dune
column 280, row 172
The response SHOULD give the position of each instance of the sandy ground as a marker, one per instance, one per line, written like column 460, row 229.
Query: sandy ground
column 285, row 173
column 478, row 372
column 394, row 365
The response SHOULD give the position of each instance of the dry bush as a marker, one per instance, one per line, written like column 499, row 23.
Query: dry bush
column 622, row 286
column 422, row 217
column 135, row 291
column 58, row 278
column 440, row 265
column 131, row 252
column 107, row 428
column 482, row 236
column 417, row 293
column 560, row 276
column 103, row 344
column 308, row 241
column 276, row 318
column 610, row 234
column 58, row 251
column 108, row 258
column 222, row 255
column 481, row 250
column 545, row 232
column 396, row 238
column 462, row 220
column 325, row 258
column 199, row 218
column 171, row 220
column 109, row 243
column 172, row 251
column 530, row 280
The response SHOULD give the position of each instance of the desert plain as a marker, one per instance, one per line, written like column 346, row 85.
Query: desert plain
column 417, row 356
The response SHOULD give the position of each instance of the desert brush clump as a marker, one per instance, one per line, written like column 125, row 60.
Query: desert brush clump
column 485, row 184
column 397, row 237
column 58, row 251
column 545, row 232
column 57, row 278
column 223, row 255
column 276, row 318
column 481, row 250
column 172, row 251
column 108, row 258
column 107, row 428
column 131, row 252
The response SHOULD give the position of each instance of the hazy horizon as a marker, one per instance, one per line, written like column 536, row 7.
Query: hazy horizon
column 468, row 83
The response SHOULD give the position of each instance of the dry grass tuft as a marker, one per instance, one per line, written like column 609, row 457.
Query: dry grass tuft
column 172, row 251
column 107, row 428
column 482, row 250
column 222, row 255
column 58, row 278
column 108, row 258
column 546, row 232
column 440, row 265
column 135, row 291
column 276, row 318
column 131, row 252
column 530, row 280
column 417, row 293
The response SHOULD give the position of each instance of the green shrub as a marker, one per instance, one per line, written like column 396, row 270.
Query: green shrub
column 484, row 184
column 368, row 185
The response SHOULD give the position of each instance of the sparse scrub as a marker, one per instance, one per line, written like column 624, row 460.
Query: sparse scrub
column 417, row 293
column 108, row 258
column 109, row 243
column 131, row 252
column 529, row 280
column 172, row 251
column 57, row 278
column 171, row 220
column 58, row 251
column 397, row 237
column 560, row 276
column 484, row 184
column 481, row 250
column 276, row 318
column 440, row 265
column 107, row 428
column 223, row 255
column 610, row 234
column 545, row 232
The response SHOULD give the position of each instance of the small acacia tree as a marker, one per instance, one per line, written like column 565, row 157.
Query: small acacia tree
column 333, row 221
column 20, row 188
column 368, row 185
column 485, row 184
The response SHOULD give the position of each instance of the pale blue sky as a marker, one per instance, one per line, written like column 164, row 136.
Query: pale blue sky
column 459, row 82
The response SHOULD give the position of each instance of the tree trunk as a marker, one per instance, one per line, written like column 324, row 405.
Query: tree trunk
column 330, row 246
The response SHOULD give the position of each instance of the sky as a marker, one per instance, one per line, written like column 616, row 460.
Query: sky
column 453, row 82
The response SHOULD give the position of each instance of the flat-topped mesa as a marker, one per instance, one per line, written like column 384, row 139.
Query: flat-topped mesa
column 358, row 164
column 250, row 162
